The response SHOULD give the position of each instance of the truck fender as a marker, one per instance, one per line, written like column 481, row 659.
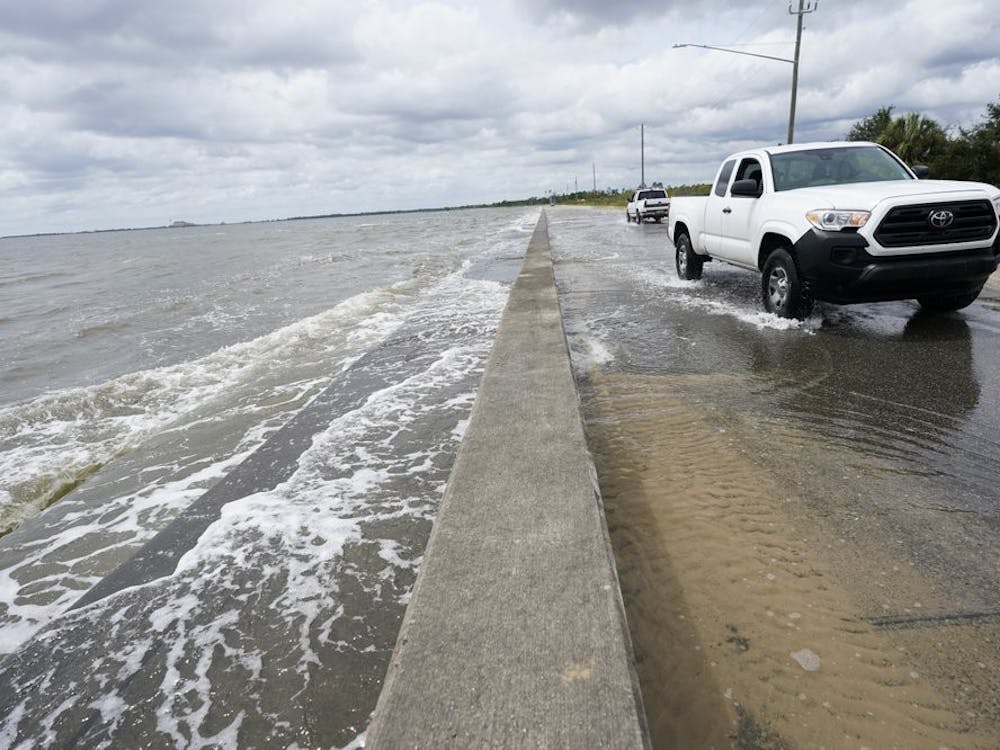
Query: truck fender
column 775, row 234
column 679, row 227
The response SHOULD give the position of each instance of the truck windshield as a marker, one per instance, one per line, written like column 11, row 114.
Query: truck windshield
column 835, row 166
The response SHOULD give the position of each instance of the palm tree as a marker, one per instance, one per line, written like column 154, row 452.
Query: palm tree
column 870, row 128
column 914, row 138
column 972, row 154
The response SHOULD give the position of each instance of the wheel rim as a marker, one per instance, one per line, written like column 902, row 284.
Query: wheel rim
column 682, row 261
column 777, row 288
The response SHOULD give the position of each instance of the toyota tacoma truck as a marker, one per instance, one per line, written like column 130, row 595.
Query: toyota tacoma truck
column 841, row 222
column 648, row 203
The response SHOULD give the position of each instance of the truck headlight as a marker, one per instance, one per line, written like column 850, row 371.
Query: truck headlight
column 833, row 221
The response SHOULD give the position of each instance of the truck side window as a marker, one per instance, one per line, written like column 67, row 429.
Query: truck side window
column 723, row 181
column 750, row 170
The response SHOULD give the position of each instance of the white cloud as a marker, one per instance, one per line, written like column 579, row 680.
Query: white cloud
column 114, row 113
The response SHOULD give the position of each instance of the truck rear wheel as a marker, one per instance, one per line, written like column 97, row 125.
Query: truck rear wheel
column 781, row 288
column 689, row 263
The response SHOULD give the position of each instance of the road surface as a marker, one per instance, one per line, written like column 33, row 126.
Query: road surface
column 805, row 515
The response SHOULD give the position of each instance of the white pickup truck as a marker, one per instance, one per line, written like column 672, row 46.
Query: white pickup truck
column 648, row 203
column 841, row 222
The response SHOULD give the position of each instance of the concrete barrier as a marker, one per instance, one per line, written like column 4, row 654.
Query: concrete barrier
column 516, row 634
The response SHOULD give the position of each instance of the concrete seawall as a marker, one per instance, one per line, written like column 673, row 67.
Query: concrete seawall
column 516, row 635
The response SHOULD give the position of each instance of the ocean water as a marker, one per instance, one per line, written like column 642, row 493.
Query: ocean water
column 138, row 369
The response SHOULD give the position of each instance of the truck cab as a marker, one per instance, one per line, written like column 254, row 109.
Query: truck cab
column 841, row 222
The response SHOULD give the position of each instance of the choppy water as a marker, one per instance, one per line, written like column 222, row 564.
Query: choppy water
column 138, row 369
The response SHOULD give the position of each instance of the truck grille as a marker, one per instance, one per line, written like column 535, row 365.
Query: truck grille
column 911, row 225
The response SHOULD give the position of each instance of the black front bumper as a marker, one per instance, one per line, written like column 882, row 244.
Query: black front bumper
column 838, row 268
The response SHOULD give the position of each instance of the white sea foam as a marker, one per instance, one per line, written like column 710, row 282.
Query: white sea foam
column 271, row 590
column 295, row 535
column 283, row 552
column 460, row 428
column 123, row 522
column 51, row 442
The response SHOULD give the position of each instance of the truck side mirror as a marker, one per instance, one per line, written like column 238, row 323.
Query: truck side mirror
column 746, row 189
column 920, row 171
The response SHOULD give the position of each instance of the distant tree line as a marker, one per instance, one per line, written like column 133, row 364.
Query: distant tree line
column 615, row 196
column 701, row 188
column 951, row 154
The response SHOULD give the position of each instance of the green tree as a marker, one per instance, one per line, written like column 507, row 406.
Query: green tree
column 976, row 153
column 872, row 127
column 916, row 139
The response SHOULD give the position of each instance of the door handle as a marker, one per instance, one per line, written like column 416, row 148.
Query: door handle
column 727, row 210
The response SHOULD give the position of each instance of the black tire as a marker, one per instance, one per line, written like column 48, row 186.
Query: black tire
column 948, row 302
column 638, row 217
column 687, row 261
column 781, row 288
column 628, row 217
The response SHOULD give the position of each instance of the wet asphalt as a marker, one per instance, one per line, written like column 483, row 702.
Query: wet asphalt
column 883, row 419
column 916, row 392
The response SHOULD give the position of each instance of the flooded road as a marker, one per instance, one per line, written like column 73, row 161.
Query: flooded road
column 805, row 515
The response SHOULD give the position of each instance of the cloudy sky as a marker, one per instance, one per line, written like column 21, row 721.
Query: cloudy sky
column 118, row 113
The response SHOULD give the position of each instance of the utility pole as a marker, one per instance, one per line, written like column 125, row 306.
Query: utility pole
column 593, row 166
column 642, row 152
column 803, row 9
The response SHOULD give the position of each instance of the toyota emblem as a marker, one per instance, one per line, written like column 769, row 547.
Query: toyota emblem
column 940, row 219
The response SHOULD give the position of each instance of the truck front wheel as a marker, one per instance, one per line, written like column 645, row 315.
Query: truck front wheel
column 781, row 289
column 689, row 263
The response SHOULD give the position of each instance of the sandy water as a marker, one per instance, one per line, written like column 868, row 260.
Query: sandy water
column 749, row 630
column 803, row 514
